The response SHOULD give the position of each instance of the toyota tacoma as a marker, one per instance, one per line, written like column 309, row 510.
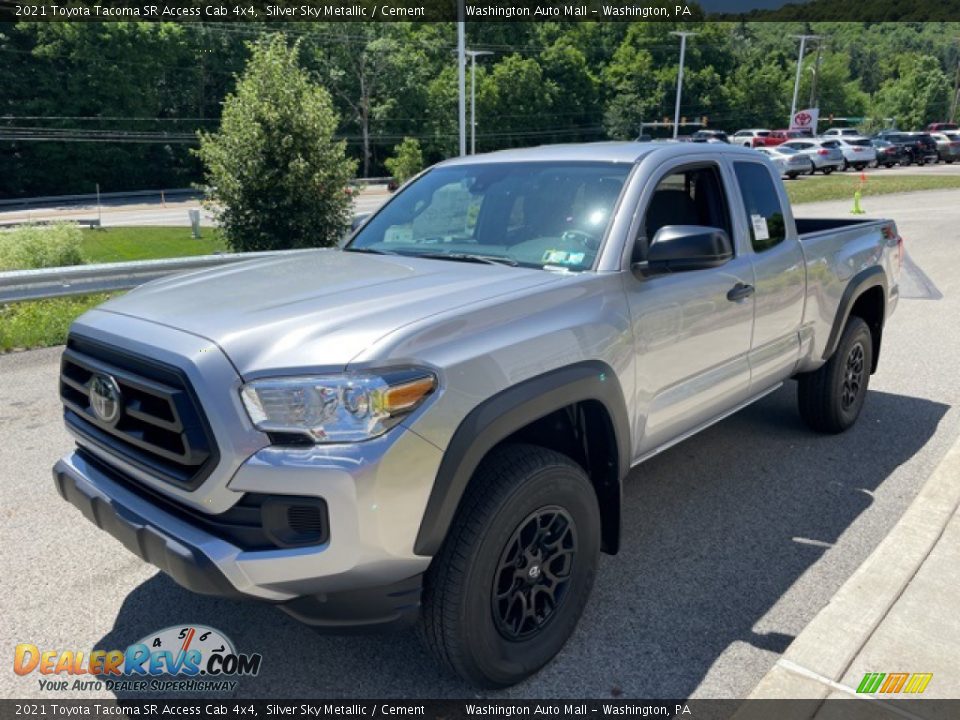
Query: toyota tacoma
column 433, row 423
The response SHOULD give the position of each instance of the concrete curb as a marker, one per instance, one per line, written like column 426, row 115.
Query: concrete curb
column 818, row 658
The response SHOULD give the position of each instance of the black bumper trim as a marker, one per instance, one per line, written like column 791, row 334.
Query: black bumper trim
column 367, row 609
column 388, row 607
column 187, row 565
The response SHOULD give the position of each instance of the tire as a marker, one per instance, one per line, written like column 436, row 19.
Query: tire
column 845, row 166
column 792, row 176
column 831, row 398
column 489, row 641
column 827, row 170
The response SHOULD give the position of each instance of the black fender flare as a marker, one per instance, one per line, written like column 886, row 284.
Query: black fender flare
column 859, row 283
column 501, row 415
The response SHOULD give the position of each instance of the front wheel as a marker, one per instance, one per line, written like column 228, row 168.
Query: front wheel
column 511, row 581
column 831, row 398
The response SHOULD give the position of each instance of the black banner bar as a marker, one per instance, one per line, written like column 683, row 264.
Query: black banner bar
column 673, row 11
column 160, row 709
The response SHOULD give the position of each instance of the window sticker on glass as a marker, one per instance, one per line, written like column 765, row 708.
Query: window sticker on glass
column 555, row 256
column 760, row 231
column 398, row 234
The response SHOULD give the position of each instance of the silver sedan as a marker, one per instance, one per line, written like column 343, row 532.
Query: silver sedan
column 823, row 154
column 790, row 163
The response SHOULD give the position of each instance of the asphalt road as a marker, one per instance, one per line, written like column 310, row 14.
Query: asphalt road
column 734, row 539
column 120, row 213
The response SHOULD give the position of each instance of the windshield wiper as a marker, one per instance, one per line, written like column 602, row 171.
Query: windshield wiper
column 372, row 251
column 467, row 257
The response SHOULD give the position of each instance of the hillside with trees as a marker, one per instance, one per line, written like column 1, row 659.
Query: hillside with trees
column 121, row 104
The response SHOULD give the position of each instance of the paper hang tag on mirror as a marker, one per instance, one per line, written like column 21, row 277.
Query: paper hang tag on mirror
column 760, row 231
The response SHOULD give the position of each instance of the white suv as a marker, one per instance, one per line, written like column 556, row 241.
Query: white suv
column 842, row 132
column 750, row 138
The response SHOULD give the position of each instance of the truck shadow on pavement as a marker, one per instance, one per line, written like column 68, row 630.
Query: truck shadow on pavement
column 716, row 531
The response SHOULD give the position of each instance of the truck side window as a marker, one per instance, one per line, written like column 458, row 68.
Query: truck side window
column 691, row 196
column 762, row 205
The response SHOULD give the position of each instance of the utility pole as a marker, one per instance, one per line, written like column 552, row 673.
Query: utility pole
column 814, row 95
column 796, row 82
column 474, row 54
column 682, row 34
column 461, row 76
column 956, row 94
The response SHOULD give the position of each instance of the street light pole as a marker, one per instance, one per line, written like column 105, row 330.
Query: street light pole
column 474, row 54
column 683, row 50
column 796, row 83
column 461, row 76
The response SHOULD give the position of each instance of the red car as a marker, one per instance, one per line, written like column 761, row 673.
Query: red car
column 941, row 126
column 781, row 136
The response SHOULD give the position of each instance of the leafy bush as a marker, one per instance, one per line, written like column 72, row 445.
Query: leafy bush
column 277, row 177
column 35, row 246
column 42, row 323
column 407, row 160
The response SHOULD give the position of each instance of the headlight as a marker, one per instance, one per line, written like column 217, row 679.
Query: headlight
column 336, row 408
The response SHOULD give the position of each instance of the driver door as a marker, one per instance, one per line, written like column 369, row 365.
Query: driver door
column 692, row 328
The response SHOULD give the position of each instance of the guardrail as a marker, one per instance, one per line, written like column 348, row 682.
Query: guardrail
column 92, row 198
column 20, row 285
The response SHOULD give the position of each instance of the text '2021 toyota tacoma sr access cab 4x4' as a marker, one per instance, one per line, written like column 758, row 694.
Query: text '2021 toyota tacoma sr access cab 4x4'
column 433, row 422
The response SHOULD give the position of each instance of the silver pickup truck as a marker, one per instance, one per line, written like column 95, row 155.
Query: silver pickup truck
column 433, row 423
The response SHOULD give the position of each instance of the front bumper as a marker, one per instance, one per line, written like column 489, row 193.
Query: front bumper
column 364, row 574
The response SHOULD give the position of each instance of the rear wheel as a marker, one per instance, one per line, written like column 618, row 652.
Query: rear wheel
column 512, row 579
column 831, row 398
column 828, row 169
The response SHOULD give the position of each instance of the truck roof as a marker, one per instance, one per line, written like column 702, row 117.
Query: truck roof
column 614, row 151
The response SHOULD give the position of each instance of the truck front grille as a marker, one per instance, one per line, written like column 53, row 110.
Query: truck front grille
column 159, row 426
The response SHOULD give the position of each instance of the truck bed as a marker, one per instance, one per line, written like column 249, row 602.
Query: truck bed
column 811, row 226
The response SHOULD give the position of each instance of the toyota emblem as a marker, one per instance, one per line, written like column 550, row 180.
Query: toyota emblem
column 105, row 398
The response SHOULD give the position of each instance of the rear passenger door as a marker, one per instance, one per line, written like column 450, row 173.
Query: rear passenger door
column 691, row 328
column 779, row 276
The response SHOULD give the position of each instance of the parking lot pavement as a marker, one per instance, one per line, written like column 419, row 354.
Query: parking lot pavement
column 734, row 540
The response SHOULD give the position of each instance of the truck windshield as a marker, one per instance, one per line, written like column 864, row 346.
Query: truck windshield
column 546, row 215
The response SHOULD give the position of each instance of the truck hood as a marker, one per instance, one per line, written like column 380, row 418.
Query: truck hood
column 315, row 310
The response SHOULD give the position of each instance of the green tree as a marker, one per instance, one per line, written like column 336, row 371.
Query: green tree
column 277, row 176
column 921, row 93
column 407, row 160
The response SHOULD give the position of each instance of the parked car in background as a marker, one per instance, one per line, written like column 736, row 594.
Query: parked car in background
column 752, row 138
column 948, row 145
column 842, row 132
column 858, row 153
column 925, row 147
column 889, row 153
column 825, row 159
column 917, row 150
column 781, row 136
column 789, row 162
column 710, row 136
column 911, row 153
column 941, row 126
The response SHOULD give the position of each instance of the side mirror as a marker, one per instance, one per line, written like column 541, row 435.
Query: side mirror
column 677, row 248
column 358, row 220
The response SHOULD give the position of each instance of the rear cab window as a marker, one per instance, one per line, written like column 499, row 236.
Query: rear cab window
column 761, row 203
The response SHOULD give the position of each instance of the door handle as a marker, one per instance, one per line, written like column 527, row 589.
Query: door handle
column 739, row 292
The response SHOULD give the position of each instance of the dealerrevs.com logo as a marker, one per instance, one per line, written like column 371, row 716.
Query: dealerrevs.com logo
column 180, row 658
